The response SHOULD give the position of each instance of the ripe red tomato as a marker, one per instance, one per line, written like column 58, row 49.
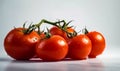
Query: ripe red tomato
column 20, row 46
column 53, row 48
column 79, row 47
column 42, row 36
column 57, row 31
column 98, row 43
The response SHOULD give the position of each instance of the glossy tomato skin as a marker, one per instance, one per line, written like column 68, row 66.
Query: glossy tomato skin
column 98, row 43
column 57, row 31
column 52, row 49
column 20, row 46
column 79, row 47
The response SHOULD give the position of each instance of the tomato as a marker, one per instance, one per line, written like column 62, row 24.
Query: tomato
column 20, row 46
column 57, row 31
column 79, row 47
column 42, row 36
column 98, row 43
column 53, row 48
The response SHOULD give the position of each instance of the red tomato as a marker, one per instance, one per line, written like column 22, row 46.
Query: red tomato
column 79, row 47
column 42, row 36
column 98, row 43
column 20, row 46
column 53, row 48
column 57, row 31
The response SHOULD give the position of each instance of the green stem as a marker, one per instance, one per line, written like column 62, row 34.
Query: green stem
column 62, row 27
column 85, row 31
column 48, row 22
column 57, row 24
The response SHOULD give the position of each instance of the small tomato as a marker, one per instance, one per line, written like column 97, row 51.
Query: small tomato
column 19, row 45
column 79, row 47
column 52, row 49
column 57, row 31
column 98, row 43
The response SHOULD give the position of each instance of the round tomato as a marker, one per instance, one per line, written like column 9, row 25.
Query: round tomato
column 79, row 47
column 19, row 45
column 98, row 43
column 57, row 31
column 53, row 48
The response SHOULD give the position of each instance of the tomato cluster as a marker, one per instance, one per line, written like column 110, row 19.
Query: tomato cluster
column 59, row 42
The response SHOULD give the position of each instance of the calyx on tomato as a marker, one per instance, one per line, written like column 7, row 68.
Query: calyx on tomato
column 29, row 29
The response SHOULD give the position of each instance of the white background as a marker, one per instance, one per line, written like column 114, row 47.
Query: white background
column 99, row 15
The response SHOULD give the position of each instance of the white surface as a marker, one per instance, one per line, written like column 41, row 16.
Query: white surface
column 108, row 61
column 98, row 64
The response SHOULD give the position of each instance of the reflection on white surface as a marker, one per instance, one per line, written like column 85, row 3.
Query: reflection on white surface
column 97, row 64
column 83, row 65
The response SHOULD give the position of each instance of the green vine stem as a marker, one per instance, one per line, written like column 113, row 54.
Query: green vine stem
column 63, row 27
column 48, row 22
column 47, row 34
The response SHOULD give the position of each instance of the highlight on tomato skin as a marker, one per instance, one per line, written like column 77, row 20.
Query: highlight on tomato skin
column 79, row 47
column 98, row 43
column 20, row 46
column 54, row 48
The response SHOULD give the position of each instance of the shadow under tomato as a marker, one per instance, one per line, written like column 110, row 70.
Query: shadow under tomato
column 36, row 60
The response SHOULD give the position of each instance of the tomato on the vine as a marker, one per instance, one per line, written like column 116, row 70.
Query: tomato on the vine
column 59, row 42
column 57, row 31
column 98, row 43
column 53, row 48
column 20, row 45
column 79, row 47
